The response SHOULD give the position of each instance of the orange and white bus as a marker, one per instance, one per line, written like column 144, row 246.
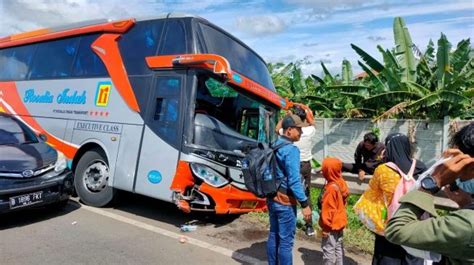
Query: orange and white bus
column 163, row 107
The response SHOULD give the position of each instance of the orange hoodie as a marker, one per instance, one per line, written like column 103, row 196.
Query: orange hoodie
column 333, row 213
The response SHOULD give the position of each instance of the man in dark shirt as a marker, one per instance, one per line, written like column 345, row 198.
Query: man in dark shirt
column 368, row 156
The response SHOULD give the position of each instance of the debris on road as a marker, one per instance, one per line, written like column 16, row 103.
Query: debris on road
column 188, row 228
column 182, row 239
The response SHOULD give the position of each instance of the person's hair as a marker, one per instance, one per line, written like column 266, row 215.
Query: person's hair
column 298, row 111
column 371, row 138
column 464, row 139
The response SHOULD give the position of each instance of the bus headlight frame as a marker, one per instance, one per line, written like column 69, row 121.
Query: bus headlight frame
column 209, row 175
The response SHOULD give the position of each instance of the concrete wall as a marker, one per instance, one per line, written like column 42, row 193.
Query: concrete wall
column 339, row 137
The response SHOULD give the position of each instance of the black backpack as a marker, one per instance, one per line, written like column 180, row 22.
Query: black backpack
column 259, row 168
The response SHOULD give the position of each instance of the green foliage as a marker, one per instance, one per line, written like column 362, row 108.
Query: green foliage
column 315, row 163
column 376, row 130
column 407, row 84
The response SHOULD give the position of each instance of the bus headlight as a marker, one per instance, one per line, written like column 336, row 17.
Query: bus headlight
column 209, row 175
column 61, row 163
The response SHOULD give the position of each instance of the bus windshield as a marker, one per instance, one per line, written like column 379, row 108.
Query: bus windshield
column 241, row 58
column 228, row 120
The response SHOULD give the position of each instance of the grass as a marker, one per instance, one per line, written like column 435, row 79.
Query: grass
column 356, row 237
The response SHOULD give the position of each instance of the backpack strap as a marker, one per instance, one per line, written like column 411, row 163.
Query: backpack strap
column 278, row 146
column 396, row 168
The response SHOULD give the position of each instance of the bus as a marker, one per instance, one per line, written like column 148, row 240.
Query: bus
column 164, row 107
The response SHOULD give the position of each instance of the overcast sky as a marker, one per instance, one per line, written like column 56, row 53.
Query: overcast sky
column 280, row 30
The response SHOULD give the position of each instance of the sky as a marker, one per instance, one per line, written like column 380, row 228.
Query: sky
column 312, row 31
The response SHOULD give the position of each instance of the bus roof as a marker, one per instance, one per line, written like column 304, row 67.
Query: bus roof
column 83, row 27
column 97, row 25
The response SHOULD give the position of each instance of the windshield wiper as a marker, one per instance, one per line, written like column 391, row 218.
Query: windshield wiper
column 29, row 142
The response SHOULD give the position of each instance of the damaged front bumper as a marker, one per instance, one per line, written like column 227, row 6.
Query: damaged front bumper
column 189, row 195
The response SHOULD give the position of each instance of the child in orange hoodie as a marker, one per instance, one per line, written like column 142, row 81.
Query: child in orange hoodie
column 333, row 218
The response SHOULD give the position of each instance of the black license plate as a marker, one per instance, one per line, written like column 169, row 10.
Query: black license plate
column 26, row 199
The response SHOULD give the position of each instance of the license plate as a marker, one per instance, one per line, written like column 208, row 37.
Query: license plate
column 248, row 205
column 26, row 200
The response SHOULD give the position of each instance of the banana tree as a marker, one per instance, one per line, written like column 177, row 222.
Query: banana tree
column 419, row 88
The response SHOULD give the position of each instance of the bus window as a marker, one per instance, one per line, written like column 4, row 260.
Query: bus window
column 54, row 58
column 175, row 40
column 15, row 62
column 227, row 120
column 241, row 58
column 87, row 63
column 249, row 124
column 165, row 117
column 139, row 42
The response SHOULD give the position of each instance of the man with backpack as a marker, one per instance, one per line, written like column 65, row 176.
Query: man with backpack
column 305, row 145
column 282, row 207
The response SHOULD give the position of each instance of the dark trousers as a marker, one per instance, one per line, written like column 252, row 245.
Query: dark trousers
column 354, row 168
column 305, row 172
column 387, row 253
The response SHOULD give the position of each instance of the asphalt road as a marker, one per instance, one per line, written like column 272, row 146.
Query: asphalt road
column 137, row 230
column 78, row 236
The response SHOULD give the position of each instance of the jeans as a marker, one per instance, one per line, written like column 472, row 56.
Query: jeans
column 282, row 233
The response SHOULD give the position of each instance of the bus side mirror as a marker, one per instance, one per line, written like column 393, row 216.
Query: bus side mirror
column 212, row 62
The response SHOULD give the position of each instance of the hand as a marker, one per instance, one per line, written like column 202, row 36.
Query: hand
column 307, row 214
column 361, row 175
column 460, row 197
column 459, row 166
column 309, row 113
column 324, row 234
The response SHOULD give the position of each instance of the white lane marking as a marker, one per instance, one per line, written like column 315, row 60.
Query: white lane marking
column 161, row 231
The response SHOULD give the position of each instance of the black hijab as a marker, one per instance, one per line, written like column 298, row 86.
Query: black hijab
column 398, row 151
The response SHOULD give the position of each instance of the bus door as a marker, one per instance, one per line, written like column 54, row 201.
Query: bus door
column 162, row 137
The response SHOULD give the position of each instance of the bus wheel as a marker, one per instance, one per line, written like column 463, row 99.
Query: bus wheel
column 91, row 178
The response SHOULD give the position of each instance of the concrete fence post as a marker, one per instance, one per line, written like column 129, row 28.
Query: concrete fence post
column 325, row 138
column 445, row 133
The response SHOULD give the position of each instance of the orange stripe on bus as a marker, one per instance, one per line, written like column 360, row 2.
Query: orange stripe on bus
column 30, row 34
column 112, row 27
column 106, row 47
column 9, row 95
column 183, row 177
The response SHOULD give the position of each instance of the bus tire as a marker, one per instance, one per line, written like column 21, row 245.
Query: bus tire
column 91, row 178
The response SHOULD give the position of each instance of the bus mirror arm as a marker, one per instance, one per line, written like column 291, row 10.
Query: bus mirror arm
column 216, row 63
column 220, row 66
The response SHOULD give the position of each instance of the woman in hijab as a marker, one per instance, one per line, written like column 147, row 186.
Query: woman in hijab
column 372, row 205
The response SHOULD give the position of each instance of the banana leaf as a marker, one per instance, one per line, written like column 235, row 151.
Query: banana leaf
column 317, row 78
column 469, row 93
column 376, row 82
column 460, row 56
column 442, row 59
column 347, row 73
column 391, row 94
column 404, row 51
column 419, row 90
column 369, row 60
column 327, row 74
